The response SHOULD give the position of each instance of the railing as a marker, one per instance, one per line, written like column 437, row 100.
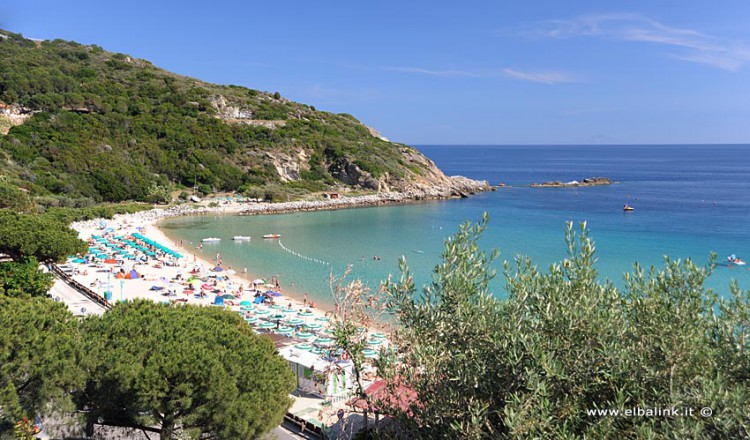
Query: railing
column 88, row 293
column 306, row 427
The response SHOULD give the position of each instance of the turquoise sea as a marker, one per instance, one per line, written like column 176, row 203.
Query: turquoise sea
column 689, row 200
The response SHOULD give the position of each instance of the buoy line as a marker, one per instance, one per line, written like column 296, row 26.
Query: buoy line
column 304, row 257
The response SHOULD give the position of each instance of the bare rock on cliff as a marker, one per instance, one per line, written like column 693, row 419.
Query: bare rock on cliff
column 289, row 167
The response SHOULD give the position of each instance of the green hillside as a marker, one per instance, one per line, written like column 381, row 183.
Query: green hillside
column 109, row 127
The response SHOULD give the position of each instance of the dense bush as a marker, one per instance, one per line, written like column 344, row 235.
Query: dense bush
column 563, row 346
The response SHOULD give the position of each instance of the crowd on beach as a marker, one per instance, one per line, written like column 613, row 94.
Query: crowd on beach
column 131, row 251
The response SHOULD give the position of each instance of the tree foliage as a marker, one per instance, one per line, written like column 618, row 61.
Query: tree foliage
column 563, row 344
column 38, row 358
column 183, row 370
column 14, row 199
column 44, row 238
column 23, row 279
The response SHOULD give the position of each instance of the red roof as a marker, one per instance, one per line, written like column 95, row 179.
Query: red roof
column 382, row 398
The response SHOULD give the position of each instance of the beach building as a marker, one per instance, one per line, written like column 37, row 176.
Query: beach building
column 314, row 375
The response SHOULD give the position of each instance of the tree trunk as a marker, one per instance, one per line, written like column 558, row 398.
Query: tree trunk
column 167, row 427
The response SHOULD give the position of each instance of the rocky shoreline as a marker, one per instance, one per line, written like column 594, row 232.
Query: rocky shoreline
column 460, row 187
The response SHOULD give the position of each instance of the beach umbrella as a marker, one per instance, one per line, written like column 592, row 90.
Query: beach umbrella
column 251, row 319
column 369, row 353
column 110, row 261
column 324, row 341
column 267, row 325
column 295, row 321
column 259, row 281
column 217, row 269
column 246, row 303
column 262, row 312
column 378, row 335
column 305, row 313
column 314, row 326
column 79, row 260
column 228, row 296
column 305, row 335
column 304, row 346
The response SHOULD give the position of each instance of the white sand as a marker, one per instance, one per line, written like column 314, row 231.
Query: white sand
column 100, row 279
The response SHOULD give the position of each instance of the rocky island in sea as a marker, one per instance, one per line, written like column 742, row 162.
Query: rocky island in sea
column 589, row 181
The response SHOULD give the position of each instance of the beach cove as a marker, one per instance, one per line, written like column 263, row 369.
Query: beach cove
column 684, row 208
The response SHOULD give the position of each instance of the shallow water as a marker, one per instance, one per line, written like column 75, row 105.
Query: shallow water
column 688, row 200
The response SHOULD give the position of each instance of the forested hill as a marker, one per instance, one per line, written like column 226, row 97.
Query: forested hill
column 91, row 124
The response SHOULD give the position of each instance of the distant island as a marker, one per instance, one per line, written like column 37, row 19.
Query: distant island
column 591, row 181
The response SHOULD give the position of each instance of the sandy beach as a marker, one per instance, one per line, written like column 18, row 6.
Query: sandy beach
column 166, row 273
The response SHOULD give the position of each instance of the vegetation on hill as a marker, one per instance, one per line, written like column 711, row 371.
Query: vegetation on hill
column 563, row 346
column 110, row 127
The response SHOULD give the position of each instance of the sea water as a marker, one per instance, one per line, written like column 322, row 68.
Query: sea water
column 688, row 200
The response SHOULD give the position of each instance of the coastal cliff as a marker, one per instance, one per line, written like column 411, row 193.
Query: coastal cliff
column 108, row 127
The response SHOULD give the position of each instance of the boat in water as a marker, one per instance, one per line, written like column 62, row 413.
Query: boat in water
column 272, row 236
column 241, row 238
column 733, row 259
column 627, row 208
column 211, row 240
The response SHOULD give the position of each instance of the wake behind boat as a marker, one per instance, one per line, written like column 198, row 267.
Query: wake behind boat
column 211, row 240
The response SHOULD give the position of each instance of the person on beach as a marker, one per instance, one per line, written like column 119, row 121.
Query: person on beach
column 305, row 301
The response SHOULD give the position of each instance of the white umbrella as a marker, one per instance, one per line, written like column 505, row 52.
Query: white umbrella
column 259, row 281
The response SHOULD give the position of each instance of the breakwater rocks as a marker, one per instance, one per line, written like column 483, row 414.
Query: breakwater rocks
column 591, row 181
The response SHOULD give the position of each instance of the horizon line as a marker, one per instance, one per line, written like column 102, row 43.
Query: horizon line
column 584, row 145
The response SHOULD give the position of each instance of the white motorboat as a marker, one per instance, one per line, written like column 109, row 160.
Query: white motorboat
column 211, row 240
column 241, row 238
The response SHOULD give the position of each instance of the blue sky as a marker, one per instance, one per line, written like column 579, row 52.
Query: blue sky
column 438, row 72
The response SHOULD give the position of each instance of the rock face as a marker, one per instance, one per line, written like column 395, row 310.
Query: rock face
column 289, row 167
column 234, row 114
column 12, row 115
column 590, row 181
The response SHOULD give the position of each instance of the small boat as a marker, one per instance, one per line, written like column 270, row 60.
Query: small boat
column 241, row 238
column 211, row 240
column 272, row 236
column 733, row 259
column 627, row 207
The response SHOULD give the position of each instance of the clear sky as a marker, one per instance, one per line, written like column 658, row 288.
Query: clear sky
column 451, row 72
